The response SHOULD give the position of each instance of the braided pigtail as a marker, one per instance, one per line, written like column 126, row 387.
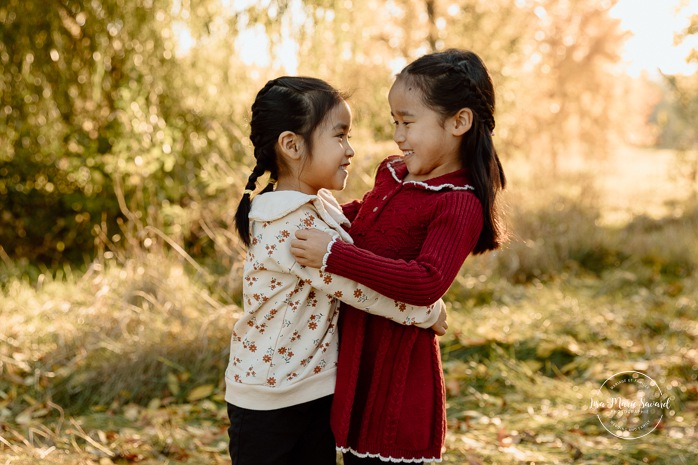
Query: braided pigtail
column 480, row 105
column 242, row 215
column 265, row 156
column 480, row 157
column 295, row 104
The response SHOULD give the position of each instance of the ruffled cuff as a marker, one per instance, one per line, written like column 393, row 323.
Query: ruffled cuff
column 327, row 254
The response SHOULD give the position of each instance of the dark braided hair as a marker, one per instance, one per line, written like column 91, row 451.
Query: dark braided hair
column 296, row 104
column 450, row 81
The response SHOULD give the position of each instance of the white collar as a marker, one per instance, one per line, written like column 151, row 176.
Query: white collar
column 466, row 187
column 272, row 206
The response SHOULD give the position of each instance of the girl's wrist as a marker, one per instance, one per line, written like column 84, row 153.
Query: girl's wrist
column 327, row 253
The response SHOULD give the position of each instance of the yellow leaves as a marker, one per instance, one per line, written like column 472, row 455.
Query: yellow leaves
column 35, row 410
column 132, row 412
column 200, row 392
column 79, row 432
column 162, row 432
column 24, row 417
column 546, row 348
column 173, row 383
column 28, row 415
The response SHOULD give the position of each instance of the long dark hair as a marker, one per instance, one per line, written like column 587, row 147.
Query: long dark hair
column 296, row 104
column 456, row 79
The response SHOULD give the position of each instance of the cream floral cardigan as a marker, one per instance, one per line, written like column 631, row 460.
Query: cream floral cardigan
column 283, row 350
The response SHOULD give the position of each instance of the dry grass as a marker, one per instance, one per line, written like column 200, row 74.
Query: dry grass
column 124, row 363
column 520, row 380
column 120, row 365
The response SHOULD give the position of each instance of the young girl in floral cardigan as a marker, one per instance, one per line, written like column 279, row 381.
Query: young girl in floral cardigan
column 283, row 354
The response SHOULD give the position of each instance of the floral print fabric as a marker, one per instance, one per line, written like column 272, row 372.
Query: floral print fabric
column 284, row 347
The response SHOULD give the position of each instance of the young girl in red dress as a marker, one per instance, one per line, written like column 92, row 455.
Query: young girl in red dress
column 429, row 209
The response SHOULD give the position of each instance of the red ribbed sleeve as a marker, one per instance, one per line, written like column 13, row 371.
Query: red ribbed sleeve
column 451, row 236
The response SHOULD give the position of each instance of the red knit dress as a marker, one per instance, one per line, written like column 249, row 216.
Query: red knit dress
column 411, row 239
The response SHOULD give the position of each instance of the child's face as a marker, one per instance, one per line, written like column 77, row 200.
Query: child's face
column 430, row 148
column 327, row 167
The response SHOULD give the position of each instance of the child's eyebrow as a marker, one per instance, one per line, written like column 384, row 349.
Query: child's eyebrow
column 341, row 126
column 402, row 113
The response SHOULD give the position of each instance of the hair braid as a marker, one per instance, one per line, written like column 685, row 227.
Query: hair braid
column 484, row 110
column 257, row 171
column 265, row 90
column 296, row 104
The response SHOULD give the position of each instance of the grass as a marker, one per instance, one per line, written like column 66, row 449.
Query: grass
column 123, row 363
column 520, row 381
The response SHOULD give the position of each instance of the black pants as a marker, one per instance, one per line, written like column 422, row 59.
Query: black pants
column 294, row 435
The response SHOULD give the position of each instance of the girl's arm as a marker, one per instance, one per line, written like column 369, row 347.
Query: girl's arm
column 346, row 290
column 451, row 236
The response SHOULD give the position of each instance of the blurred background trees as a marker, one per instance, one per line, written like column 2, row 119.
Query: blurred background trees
column 94, row 104
column 119, row 114
column 678, row 116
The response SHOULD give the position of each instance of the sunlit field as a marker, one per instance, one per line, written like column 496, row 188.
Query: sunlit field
column 124, row 150
column 124, row 363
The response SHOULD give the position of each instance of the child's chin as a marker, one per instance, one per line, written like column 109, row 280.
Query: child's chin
column 339, row 184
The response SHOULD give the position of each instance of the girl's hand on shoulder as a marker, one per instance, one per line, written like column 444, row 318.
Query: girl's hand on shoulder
column 310, row 246
column 441, row 326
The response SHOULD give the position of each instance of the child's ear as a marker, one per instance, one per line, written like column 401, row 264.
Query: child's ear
column 462, row 121
column 289, row 145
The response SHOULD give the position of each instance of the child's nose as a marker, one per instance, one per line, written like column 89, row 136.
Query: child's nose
column 399, row 134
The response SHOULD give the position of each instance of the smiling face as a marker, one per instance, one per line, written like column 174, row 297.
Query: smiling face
column 327, row 166
column 428, row 141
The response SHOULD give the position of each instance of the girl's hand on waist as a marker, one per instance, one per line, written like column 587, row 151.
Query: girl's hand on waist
column 310, row 246
column 441, row 326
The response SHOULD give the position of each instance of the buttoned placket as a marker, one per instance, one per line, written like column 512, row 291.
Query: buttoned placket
column 384, row 200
